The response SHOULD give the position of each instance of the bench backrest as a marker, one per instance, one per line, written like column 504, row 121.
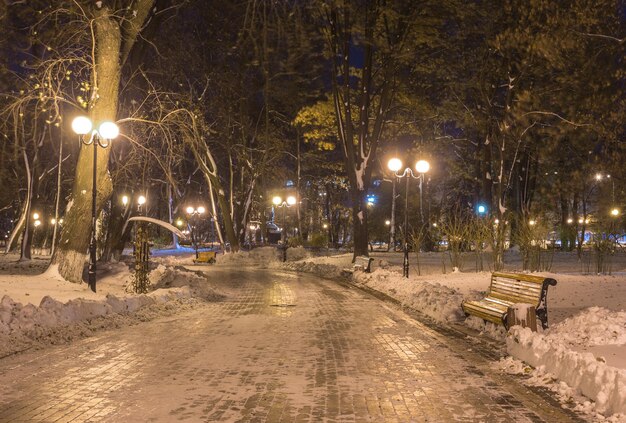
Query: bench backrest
column 363, row 262
column 206, row 254
column 519, row 288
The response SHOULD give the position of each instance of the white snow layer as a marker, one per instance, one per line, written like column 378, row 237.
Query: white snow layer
column 558, row 351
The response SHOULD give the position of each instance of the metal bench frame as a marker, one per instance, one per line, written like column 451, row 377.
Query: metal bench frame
column 507, row 289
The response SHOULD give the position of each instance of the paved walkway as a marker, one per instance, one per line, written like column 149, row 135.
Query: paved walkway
column 289, row 348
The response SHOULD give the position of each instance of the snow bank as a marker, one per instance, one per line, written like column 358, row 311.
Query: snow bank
column 324, row 270
column 433, row 299
column 53, row 321
column 553, row 353
column 262, row 256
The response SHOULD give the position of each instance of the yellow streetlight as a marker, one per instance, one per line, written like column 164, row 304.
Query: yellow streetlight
column 102, row 137
column 615, row 212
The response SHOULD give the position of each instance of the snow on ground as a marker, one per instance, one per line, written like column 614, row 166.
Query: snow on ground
column 583, row 351
column 44, row 309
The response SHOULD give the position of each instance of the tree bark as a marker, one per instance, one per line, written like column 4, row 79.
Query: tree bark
column 71, row 252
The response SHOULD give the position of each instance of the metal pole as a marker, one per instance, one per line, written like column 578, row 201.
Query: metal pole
column 405, row 263
column 392, row 229
column 421, row 207
column 195, row 234
column 92, row 243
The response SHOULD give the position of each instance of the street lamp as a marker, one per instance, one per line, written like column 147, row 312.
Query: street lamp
column 102, row 137
column 422, row 166
column 193, row 216
column 615, row 212
column 141, row 200
column 278, row 202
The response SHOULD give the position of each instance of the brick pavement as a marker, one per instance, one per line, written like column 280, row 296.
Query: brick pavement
column 287, row 348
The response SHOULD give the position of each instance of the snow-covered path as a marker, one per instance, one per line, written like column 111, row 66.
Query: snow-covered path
column 285, row 348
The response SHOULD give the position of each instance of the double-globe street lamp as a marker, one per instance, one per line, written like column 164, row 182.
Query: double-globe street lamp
column 422, row 166
column 280, row 203
column 194, row 213
column 102, row 137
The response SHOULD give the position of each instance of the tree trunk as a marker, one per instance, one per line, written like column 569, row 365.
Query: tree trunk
column 359, row 218
column 71, row 252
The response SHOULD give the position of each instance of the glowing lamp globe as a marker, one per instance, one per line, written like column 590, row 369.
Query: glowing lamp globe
column 189, row 210
column 81, row 125
column 291, row 200
column 394, row 164
column 141, row 200
column 108, row 130
column 201, row 209
column 277, row 200
column 422, row 166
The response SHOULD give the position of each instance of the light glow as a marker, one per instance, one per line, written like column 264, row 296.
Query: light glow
column 394, row 164
column 277, row 200
column 141, row 200
column 108, row 130
column 422, row 166
column 81, row 125
column 291, row 200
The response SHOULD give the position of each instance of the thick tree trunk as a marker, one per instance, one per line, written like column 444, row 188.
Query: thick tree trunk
column 71, row 252
column 118, row 233
column 359, row 218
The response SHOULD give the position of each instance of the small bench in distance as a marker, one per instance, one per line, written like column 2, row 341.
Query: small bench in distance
column 205, row 257
column 361, row 263
column 507, row 289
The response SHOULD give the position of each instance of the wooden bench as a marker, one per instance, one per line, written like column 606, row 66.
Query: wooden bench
column 507, row 289
column 205, row 257
column 361, row 263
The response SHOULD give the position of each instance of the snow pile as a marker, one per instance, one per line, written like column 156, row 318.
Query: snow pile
column 164, row 277
column 324, row 270
column 15, row 317
column 257, row 256
column 593, row 326
column 433, row 299
column 262, row 256
column 553, row 353
column 24, row 326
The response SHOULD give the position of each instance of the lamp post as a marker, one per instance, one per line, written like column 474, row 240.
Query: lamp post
column 193, row 217
column 102, row 137
column 141, row 200
column 280, row 203
column 422, row 166
column 394, row 165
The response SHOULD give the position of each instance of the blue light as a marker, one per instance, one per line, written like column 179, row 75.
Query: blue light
column 482, row 209
column 371, row 199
